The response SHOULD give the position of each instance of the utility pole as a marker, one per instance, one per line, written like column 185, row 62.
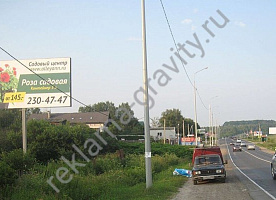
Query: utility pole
column 164, row 131
column 216, row 132
column 195, row 111
column 146, row 101
column 212, row 129
column 260, row 132
column 24, row 130
column 183, row 136
column 178, row 135
column 195, row 102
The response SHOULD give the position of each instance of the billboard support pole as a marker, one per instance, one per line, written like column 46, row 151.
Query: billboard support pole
column 24, row 130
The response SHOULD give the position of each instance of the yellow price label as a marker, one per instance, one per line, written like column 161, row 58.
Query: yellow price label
column 13, row 97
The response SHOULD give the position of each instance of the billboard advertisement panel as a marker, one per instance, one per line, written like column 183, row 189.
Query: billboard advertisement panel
column 188, row 139
column 272, row 130
column 48, row 84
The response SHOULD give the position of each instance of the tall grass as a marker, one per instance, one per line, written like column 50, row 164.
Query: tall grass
column 107, row 177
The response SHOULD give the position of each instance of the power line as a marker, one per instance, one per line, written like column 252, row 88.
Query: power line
column 168, row 23
column 201, row 100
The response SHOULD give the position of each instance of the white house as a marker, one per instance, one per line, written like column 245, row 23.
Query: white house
column 159, row 133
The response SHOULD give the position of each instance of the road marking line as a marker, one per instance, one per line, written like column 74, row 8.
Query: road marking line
column 257, row 157
column 271, row 196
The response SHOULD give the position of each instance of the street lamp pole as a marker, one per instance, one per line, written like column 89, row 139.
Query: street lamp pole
column 146, row 102
column 210, row 121
column 195, row 103
column 210, row 130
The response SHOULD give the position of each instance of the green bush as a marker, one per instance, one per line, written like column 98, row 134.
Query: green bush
column 18, row 161
column 7, row 174
column 158, row 149
column 135, row 175
column 161, row 163
column 49, row 142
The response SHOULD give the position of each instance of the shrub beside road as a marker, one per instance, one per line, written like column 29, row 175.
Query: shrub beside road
column 108, row 176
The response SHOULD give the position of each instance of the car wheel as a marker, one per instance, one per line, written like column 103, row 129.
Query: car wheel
column 272, row 173
column 195, row 182
column 223, row 180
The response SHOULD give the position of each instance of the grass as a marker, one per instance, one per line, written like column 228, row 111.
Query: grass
column 269, row 144
column 107, row 178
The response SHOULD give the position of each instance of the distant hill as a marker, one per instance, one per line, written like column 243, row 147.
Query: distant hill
column 238, row 127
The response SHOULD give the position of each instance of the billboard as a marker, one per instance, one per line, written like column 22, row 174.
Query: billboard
column 272, row 130
column 188, row 139
column 47, row 83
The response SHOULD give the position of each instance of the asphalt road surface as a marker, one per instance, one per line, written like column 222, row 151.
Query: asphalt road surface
column 248, row 177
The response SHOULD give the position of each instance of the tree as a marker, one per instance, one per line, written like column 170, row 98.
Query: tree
column 123, row 115
column 100, row 107
column 33, row 111
column 10, row 118
column 10, row 121
column 155, row 122
column 174, row 117
column 237, row 127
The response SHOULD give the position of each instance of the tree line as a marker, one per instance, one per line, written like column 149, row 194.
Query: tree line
column 237, row 127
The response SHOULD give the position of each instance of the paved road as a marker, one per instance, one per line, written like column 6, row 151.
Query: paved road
column 254, row 167
column 241, row 167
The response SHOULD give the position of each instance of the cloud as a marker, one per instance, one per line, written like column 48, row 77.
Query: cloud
column 134, row 39
column 240, row 24
column 186, row 21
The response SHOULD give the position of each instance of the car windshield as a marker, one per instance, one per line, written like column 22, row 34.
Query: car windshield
column 206, row 160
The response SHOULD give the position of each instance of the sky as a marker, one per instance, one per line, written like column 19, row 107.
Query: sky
column 104, row 40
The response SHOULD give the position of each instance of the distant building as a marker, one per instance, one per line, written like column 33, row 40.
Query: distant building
column 159, row 133
column 94, row 120
column 258, row 133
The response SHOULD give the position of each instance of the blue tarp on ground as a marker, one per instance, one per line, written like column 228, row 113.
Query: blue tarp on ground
column 183, row 172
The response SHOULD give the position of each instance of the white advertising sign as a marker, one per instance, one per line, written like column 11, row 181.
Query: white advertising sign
column 272, row 130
